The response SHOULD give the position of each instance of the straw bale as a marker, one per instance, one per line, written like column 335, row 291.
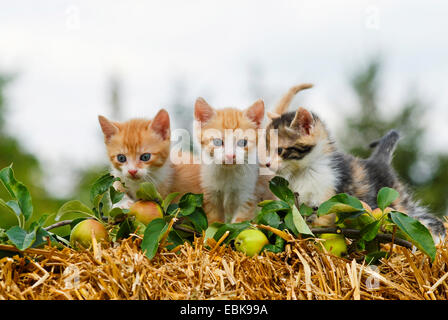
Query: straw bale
column 196, row 271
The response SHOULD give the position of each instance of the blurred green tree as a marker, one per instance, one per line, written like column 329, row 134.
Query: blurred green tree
column 26, row 166
column 426, row 174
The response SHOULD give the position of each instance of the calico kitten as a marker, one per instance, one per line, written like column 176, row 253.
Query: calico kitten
column 139, row 151
column 231, row 183
column 308, row 158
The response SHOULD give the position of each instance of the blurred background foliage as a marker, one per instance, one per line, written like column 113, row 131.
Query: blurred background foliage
column 425, row 172
column 27, row 167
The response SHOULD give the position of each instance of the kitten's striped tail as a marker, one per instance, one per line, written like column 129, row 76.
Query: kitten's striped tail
column 385, row 147
column 285, row 101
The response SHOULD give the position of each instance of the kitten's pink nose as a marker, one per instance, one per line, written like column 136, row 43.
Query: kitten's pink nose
column 132, row 172
column 230, row 157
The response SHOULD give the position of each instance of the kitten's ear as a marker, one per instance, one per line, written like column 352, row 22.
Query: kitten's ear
column 161, row 124
column 202, row 110
column 256, row 112
column 302, row 121
column 108, row 127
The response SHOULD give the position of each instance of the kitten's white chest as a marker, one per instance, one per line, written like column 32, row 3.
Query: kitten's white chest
column 229, row 188
column 314, row 184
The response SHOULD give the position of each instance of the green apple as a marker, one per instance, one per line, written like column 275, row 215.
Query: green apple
column 334, row 243
column 146, row 211
column 251, row 241
column 82, row 233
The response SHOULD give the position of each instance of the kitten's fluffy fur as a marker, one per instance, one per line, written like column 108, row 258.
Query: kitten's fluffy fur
column 308, row 159
column 231, row 190
column 137, row 137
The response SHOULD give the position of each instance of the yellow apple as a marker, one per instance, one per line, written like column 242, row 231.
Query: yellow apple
column 82, row 233
column 146, row 211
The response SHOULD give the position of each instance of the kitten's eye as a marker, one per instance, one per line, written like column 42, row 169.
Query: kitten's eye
column 217, row 142
column 145, row 157
column 242, row 143
column 121, row 158
column 279, row 151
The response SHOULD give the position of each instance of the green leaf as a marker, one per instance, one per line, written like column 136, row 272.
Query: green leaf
column 41, row 221
column 386, row 196
column 279, row 187
column 300, row 223
column 20, row 238
column 103, row 204
column 280, row 242
column 370, row 231
column 8, row 180
column 174, row 239
column 373, row 257
column 278, row 247
column 41, row 237
column 167, row 201
column 270, row 218
column 97, row 202
column 154, row 230
column 125, row 229
column 14, row 205
column 17, row 191
column 8, row 216
column 271, row 248
column 58, row 239
column 356, row 218
column 289, row 222
column 416, row 233
column 199, row 219
column 211, row 230
column 275, row 206
column 264, row 202
column 102, row 185
column 116, row 211
column 138, row 227
column 189, row 202
column 305, row 210
column 340, row 203
column 233, row 228
column 148, row 192
column 115, row 195
column 74, row 206
column 172, row 209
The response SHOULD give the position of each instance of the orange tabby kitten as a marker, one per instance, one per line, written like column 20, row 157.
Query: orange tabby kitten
column 139, row 151
column 231, row 183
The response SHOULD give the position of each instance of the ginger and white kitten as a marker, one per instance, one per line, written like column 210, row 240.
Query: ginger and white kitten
column 229, row 171
column 308, row 158
column 139, row 151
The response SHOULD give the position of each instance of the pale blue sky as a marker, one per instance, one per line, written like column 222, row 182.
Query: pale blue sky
column 64, row 51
